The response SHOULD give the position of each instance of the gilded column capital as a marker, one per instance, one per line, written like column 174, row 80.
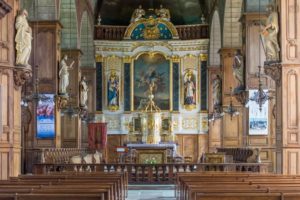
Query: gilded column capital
column 99, row 58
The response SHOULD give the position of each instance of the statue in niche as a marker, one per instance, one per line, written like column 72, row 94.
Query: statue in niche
column 23, row 39
column 269, row 35
column 189, row 90
column 137, row 14
column 217, row 92
column 113, row 91
column 163, row 13
column 238, row 69
column 64, row 75
column 83, row 92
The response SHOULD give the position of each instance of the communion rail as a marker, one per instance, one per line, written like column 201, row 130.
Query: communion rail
column 151, row 173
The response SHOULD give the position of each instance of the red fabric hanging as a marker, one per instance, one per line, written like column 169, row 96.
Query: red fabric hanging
column 97, row 135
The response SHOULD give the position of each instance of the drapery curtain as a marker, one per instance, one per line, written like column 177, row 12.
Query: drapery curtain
column 97, row 135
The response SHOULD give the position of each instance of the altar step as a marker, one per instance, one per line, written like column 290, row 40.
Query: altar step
column 151, row 192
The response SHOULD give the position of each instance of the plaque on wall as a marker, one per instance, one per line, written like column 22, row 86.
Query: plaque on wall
column 258, row 118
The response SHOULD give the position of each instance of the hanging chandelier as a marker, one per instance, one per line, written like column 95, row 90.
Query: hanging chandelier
column 260, row 96
column 231, row 110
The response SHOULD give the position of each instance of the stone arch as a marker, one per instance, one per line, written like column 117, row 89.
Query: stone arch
column 68, row 18
column 86, row 41
column 232, row 30
column 215, row 40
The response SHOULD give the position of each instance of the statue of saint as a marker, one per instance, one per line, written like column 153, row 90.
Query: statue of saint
column 64, row 75
column 217, row 91
column 163, row 13
column 23, row 39
column 189, row 89
column 113, row 91
column 137, row 14
column 83, row 92
column 269, row 35
column 238, row 68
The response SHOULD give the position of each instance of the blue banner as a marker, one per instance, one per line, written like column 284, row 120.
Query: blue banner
column 45, row 117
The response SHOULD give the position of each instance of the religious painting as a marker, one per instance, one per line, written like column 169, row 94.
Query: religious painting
column 113, row 94
column 258, row 118
column 45, row 117
column 189, row 90
column 151, row 80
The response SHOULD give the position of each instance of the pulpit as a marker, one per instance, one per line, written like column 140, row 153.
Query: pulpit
column 97, row 137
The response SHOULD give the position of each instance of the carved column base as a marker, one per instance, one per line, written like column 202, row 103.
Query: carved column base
column 273, row 70
column 21, row 75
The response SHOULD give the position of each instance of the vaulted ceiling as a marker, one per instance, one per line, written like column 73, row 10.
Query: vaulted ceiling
column 118, row 12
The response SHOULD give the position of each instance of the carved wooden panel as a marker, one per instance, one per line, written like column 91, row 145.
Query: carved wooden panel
column 291, row 162
column 4, row 164
column 5, row 99
column 290, row 31
column 112, row 142
column 188, row 145
column 290, row 105
column 4, row 40
column 232, row 131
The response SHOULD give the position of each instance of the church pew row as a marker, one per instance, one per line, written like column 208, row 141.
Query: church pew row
column 106, row 186
column 70, row 176
column 207, row 186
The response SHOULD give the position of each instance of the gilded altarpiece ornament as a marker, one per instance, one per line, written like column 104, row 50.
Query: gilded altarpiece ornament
column 113, row 82
column 189, row 86
column 113, row 94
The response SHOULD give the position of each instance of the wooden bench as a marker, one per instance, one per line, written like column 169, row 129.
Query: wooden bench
column 106, row 186
column 208, row 186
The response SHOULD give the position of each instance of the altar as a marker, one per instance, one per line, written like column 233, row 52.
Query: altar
column 152, row 153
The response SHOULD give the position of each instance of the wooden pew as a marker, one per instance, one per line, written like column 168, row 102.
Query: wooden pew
column 106, row 186
column 207, row 186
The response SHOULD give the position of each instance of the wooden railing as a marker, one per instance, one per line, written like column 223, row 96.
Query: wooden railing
column 151, row 173
column 185, row 32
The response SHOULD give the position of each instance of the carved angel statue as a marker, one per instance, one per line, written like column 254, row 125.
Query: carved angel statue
column 269, row 35
column 137, row 14
column 238, row 68
column 163, row 13
column 64, row 75
column 23, row 39
column 83, row 92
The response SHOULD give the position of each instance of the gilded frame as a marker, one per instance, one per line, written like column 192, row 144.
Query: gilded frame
column 197, row 73
column 170, row 78
column 144, row 153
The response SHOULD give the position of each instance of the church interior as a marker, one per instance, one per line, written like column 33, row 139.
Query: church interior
column 101, row 98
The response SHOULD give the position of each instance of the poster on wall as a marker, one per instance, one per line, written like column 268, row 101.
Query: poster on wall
column 258, row 119
column 45, row 117
column 151, row 72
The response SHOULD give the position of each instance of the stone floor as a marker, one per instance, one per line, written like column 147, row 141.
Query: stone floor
column 149, row 192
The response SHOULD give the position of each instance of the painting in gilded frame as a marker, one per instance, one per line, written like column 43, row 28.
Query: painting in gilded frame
column 151, row 69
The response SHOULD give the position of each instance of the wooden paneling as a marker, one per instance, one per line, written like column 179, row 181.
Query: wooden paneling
column 290, row 31
column 112, row 142
column 190, row 145
column 291, row 161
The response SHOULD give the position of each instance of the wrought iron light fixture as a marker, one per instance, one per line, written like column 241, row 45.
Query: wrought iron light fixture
column 260, row 97
column 230, row 109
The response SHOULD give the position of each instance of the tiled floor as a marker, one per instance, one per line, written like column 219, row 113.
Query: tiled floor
column 149, row 192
